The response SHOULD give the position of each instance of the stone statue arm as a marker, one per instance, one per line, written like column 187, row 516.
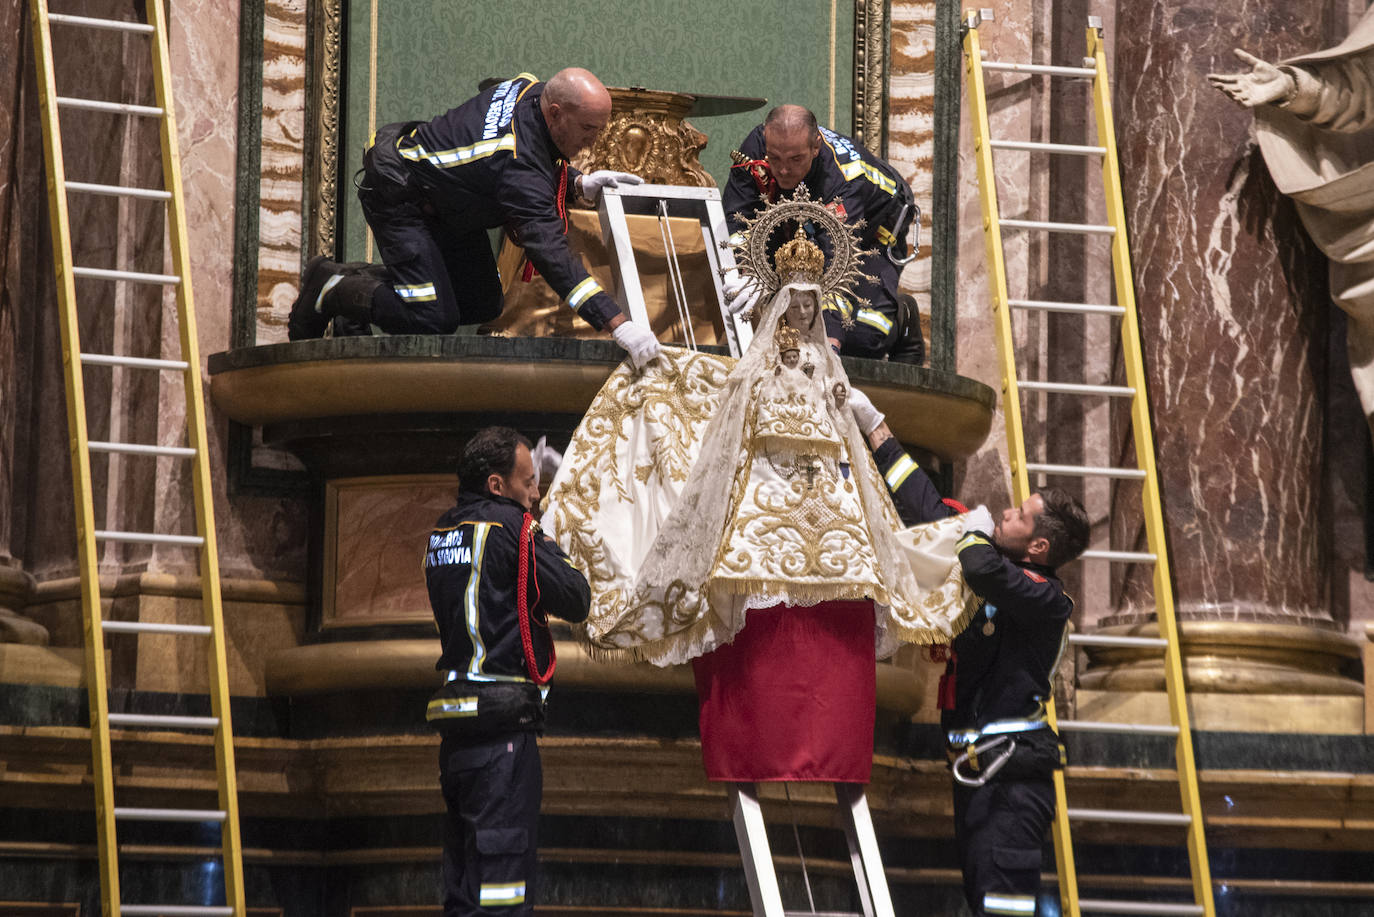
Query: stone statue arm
column 1337, row 94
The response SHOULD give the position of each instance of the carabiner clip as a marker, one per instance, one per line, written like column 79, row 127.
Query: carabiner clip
column 993, row 766
column 915, row 242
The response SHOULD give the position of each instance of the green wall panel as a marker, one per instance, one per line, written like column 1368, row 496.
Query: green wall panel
column 431, row 54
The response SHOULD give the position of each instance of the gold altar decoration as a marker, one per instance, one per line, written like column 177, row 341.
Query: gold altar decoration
column 647, row 136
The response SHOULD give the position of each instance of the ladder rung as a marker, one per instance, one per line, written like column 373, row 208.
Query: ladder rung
column 1081, row 308
column 1124, row 557
column 174, row 910
column 100, row 273
column 114, row 25
column 1103, row 906
column 1085, row 471
column 1087, row 229
column 1108, row 640
column 118, row 108
column 172, row 722
column 1148, row 729
column 152, row 627
column 190, row 541
column 1127, row 817
column 109, row 359
column 1032, row 146
column 152, row 194
column 1046, row 69
column 194, row 815
column 141, row 449
column 1077, row 388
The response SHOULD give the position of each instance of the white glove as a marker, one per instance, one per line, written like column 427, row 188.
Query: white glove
column 865, row 414
column 741, row 293
column 979, row 519
column 639, row 342
column 546, row 460
column 605, row 178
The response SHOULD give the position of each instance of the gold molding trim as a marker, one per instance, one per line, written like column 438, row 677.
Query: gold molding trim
column 327, row 63
column 870, row 55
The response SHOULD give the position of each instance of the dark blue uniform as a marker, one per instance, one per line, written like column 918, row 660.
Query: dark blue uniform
column 866, row 188
column 430, row 192
column 1001, row 667
column 492, row 784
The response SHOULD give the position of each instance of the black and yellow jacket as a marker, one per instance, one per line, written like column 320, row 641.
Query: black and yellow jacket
column 471, row 569
column 491, row 162
column 1000, row 671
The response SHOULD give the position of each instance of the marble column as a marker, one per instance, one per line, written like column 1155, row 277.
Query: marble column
column 1234, row 317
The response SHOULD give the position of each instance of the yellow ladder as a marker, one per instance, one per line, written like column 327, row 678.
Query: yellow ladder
column 1094, row 68
column 74, row 360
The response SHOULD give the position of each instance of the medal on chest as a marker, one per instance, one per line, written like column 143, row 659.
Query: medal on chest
column 989, row 628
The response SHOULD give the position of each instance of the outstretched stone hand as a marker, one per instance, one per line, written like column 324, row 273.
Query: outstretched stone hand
column 1265, row 84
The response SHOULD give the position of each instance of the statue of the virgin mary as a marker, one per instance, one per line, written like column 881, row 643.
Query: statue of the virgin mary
column 731, row 515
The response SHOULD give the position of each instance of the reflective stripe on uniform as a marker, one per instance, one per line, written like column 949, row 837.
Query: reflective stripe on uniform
column 858, row 168
column 329, row 284
column 874, row 319
column 1008, row 904
column 451, row 708
column 899, row 472
column 837, row 303
column 736, row 239
column 416, row 292
column 499, row 893
column 582, row 292
column 447, row 159
column 885, row 236
column 969, row 540
column 472, row 599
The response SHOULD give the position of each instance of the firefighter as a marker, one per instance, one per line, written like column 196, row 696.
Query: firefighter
column 497, row 656
column 997, row 676
column 431, row 190
column 789, row 149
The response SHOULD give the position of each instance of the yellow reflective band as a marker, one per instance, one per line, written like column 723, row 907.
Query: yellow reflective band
column 736, row 239
column 969, row 540
column 451, row 708
column 416, row 292
column 874, row 319
column 503, row 893
column 1008, row 904
column 885, row 236
column 447, row 159
column 471, row 599
column 899, row 472
column 837, row 303
column 857, row 168
column 582, row 292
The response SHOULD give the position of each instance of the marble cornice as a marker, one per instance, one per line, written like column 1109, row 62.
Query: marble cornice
column 306, row 381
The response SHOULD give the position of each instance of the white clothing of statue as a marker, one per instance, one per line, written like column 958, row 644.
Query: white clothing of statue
column 1313, row 120
column 696, row 491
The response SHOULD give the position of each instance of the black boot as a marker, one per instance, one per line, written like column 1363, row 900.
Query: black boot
column 908, row 346
column 305, row 320
column 348, row 303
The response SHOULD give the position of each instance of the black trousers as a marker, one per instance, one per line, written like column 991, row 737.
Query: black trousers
column 492, row 789
column 442, row 275
column 1000, row 830
column 875, row 324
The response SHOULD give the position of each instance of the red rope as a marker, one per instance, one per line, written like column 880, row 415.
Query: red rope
column 522, row 607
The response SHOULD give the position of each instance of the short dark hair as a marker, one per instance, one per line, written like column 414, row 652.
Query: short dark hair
column 1064, row 523
column 490, row 451
column 792, row 117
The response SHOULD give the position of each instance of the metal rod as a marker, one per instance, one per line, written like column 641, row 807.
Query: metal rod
column 796, row 835
column 117, row 108
column 1108, row 640
column 1122, row 557
column 152, row 194
column 1085, row 229
column 1075, row 388
column 100, row 273
column 1081, row 308
column 149, row 627
column 1102, row 906
column 1032, row 146
column 112, row 25
column 141, row 449
column 190, row 815
column 1126, row 817
column 185, row 722
column 1085, row 471
column 1148, row 729
column 109, row 359
column 1044, row 69
column 190, row 541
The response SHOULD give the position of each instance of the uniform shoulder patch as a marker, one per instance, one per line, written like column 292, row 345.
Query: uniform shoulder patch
column 837, row 207
column 1034, row 577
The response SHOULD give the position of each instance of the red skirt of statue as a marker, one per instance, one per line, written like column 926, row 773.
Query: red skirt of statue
column 792, row 697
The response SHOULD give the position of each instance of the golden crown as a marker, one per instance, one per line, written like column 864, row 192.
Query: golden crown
column 799, row 260
column 787, row 337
